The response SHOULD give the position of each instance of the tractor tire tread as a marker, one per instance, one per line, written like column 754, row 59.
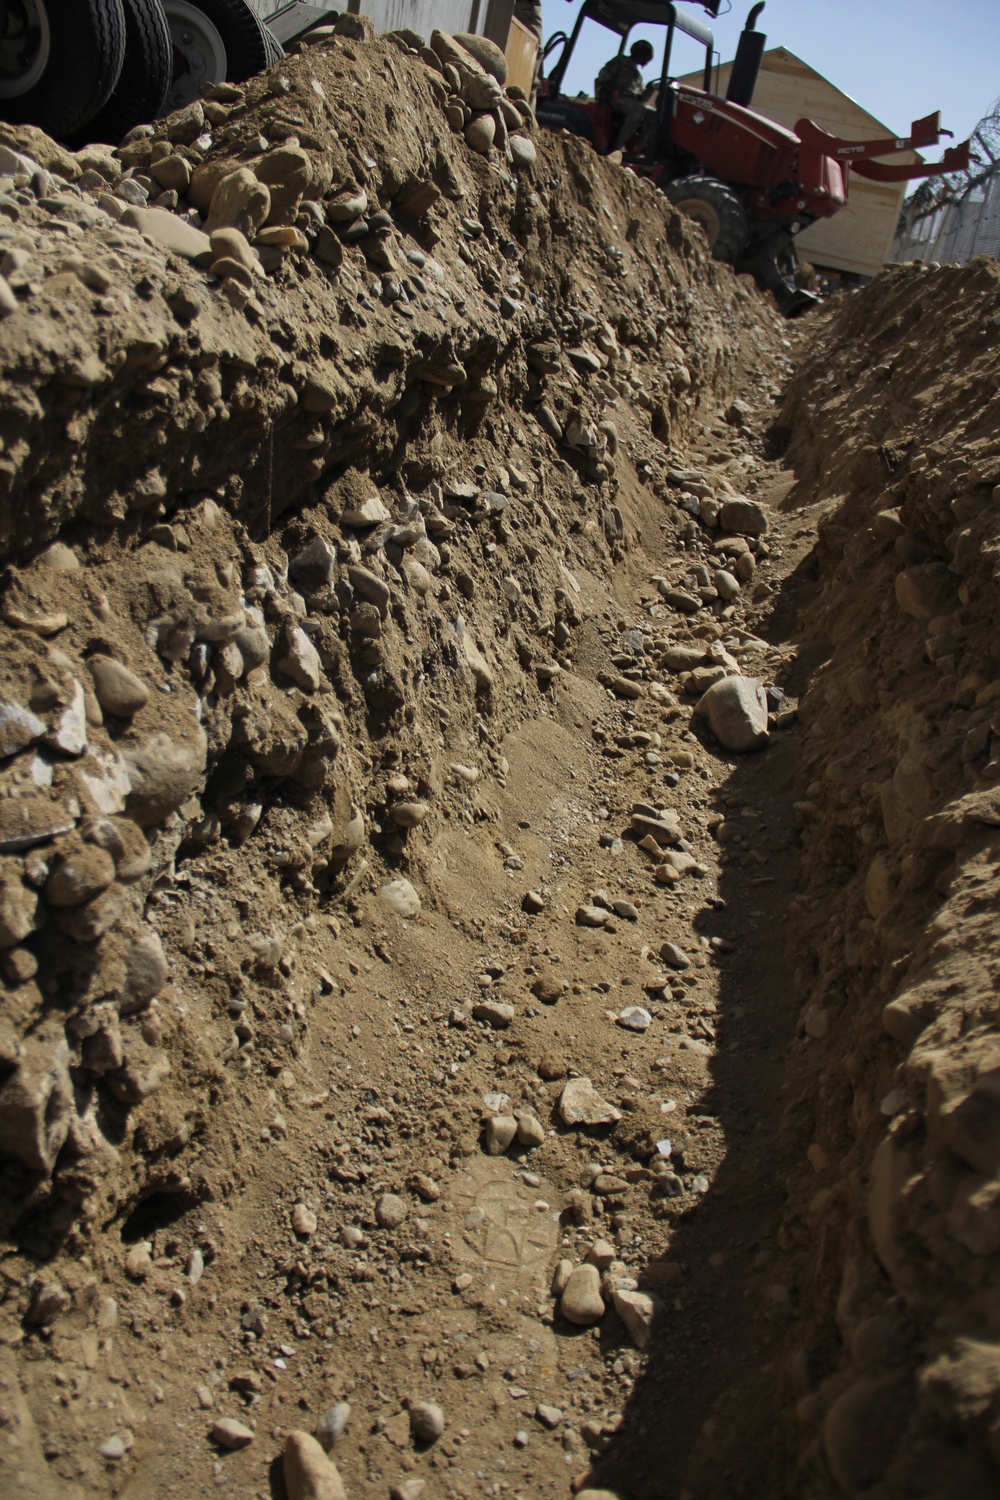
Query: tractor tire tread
column 734, row 226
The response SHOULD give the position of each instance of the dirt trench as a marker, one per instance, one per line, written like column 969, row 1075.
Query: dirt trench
column 357, row 809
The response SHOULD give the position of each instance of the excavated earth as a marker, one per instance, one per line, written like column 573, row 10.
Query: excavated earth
column 499, row 825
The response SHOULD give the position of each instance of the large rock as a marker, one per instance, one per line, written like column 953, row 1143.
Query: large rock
column 581, row 1301
column 926, row 591
column 240, row 202
column 36, row 1102
column 145, row 971
column 117, row 688
column 19, row 728
column 745, row 517
column 288, row 173
column 736, row 710
column 637, row 1311
column 309, row 1474
column 298, row 658
column 400, row 897
column 163, row 773
column 170, row 233
column 523, row 152
column 79, row 875
column 581, row 1104
column 486, row 53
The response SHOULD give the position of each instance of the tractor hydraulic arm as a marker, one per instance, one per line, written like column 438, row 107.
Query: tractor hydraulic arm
column 858, row 154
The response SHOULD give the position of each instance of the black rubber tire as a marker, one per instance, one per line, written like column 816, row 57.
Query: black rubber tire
column 275, row 50
column 716, row 207
column 146, row 73
column 87, row 49
column 247, row 41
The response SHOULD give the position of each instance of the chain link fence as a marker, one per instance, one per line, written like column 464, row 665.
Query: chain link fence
column 956, row 216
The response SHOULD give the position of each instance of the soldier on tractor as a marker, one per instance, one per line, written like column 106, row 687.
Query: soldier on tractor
column 750, row 183
column 620, row 84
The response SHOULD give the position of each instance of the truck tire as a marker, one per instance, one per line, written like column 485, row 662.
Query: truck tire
column 214, row 41
column 146, row 72
column 717, row 209
column 275, row 51
column 59, row 61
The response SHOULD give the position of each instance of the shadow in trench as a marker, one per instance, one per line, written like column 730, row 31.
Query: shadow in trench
column 700, row 1423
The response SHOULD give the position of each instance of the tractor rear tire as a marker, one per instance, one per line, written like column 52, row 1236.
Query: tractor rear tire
column 214, row 41
column 146, row 72
column 717, row 209
column 59, row 61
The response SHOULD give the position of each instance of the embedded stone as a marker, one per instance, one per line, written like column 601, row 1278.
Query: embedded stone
column 116, row 687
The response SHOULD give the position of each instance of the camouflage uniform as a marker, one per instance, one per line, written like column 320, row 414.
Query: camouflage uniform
column 620, row 82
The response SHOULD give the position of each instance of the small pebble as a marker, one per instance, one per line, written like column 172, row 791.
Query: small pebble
column 426, row 1421
column 390, row 1211
column 229, row 1433
column 331, row 1424
column 304, row 1221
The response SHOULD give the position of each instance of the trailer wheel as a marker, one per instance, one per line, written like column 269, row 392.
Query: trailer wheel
column 59, row 60
column 717, row 209
column 214, row 41
column 146, row 72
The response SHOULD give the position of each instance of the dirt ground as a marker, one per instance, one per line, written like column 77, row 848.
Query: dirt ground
column 418, row 1029
column 381, row 1088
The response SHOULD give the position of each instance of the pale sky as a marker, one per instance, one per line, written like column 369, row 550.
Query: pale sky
column 900, row 59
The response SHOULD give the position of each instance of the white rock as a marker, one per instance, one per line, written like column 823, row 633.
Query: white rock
column 69, row 733
column 400, row 897
column 636, row 1310
column 330, row 1427
column 300, row 660
column 581, row 1104
column 635, row 1018
column 19, row 728
column 371, row 512
column 736, row 710
column 523, row 152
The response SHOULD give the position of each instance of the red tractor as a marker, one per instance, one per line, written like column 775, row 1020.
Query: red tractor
column 751, row 184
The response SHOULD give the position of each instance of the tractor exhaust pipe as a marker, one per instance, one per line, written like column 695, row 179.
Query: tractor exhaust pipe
column 746, row 64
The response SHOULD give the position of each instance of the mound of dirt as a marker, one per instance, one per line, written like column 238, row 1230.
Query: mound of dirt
column 892, row 1233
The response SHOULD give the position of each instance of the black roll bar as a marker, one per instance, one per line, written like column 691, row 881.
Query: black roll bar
column 620, row 16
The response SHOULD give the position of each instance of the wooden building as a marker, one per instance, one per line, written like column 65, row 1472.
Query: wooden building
column 858, row 240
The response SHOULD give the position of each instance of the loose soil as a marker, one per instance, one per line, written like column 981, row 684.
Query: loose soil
column 413, row 549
